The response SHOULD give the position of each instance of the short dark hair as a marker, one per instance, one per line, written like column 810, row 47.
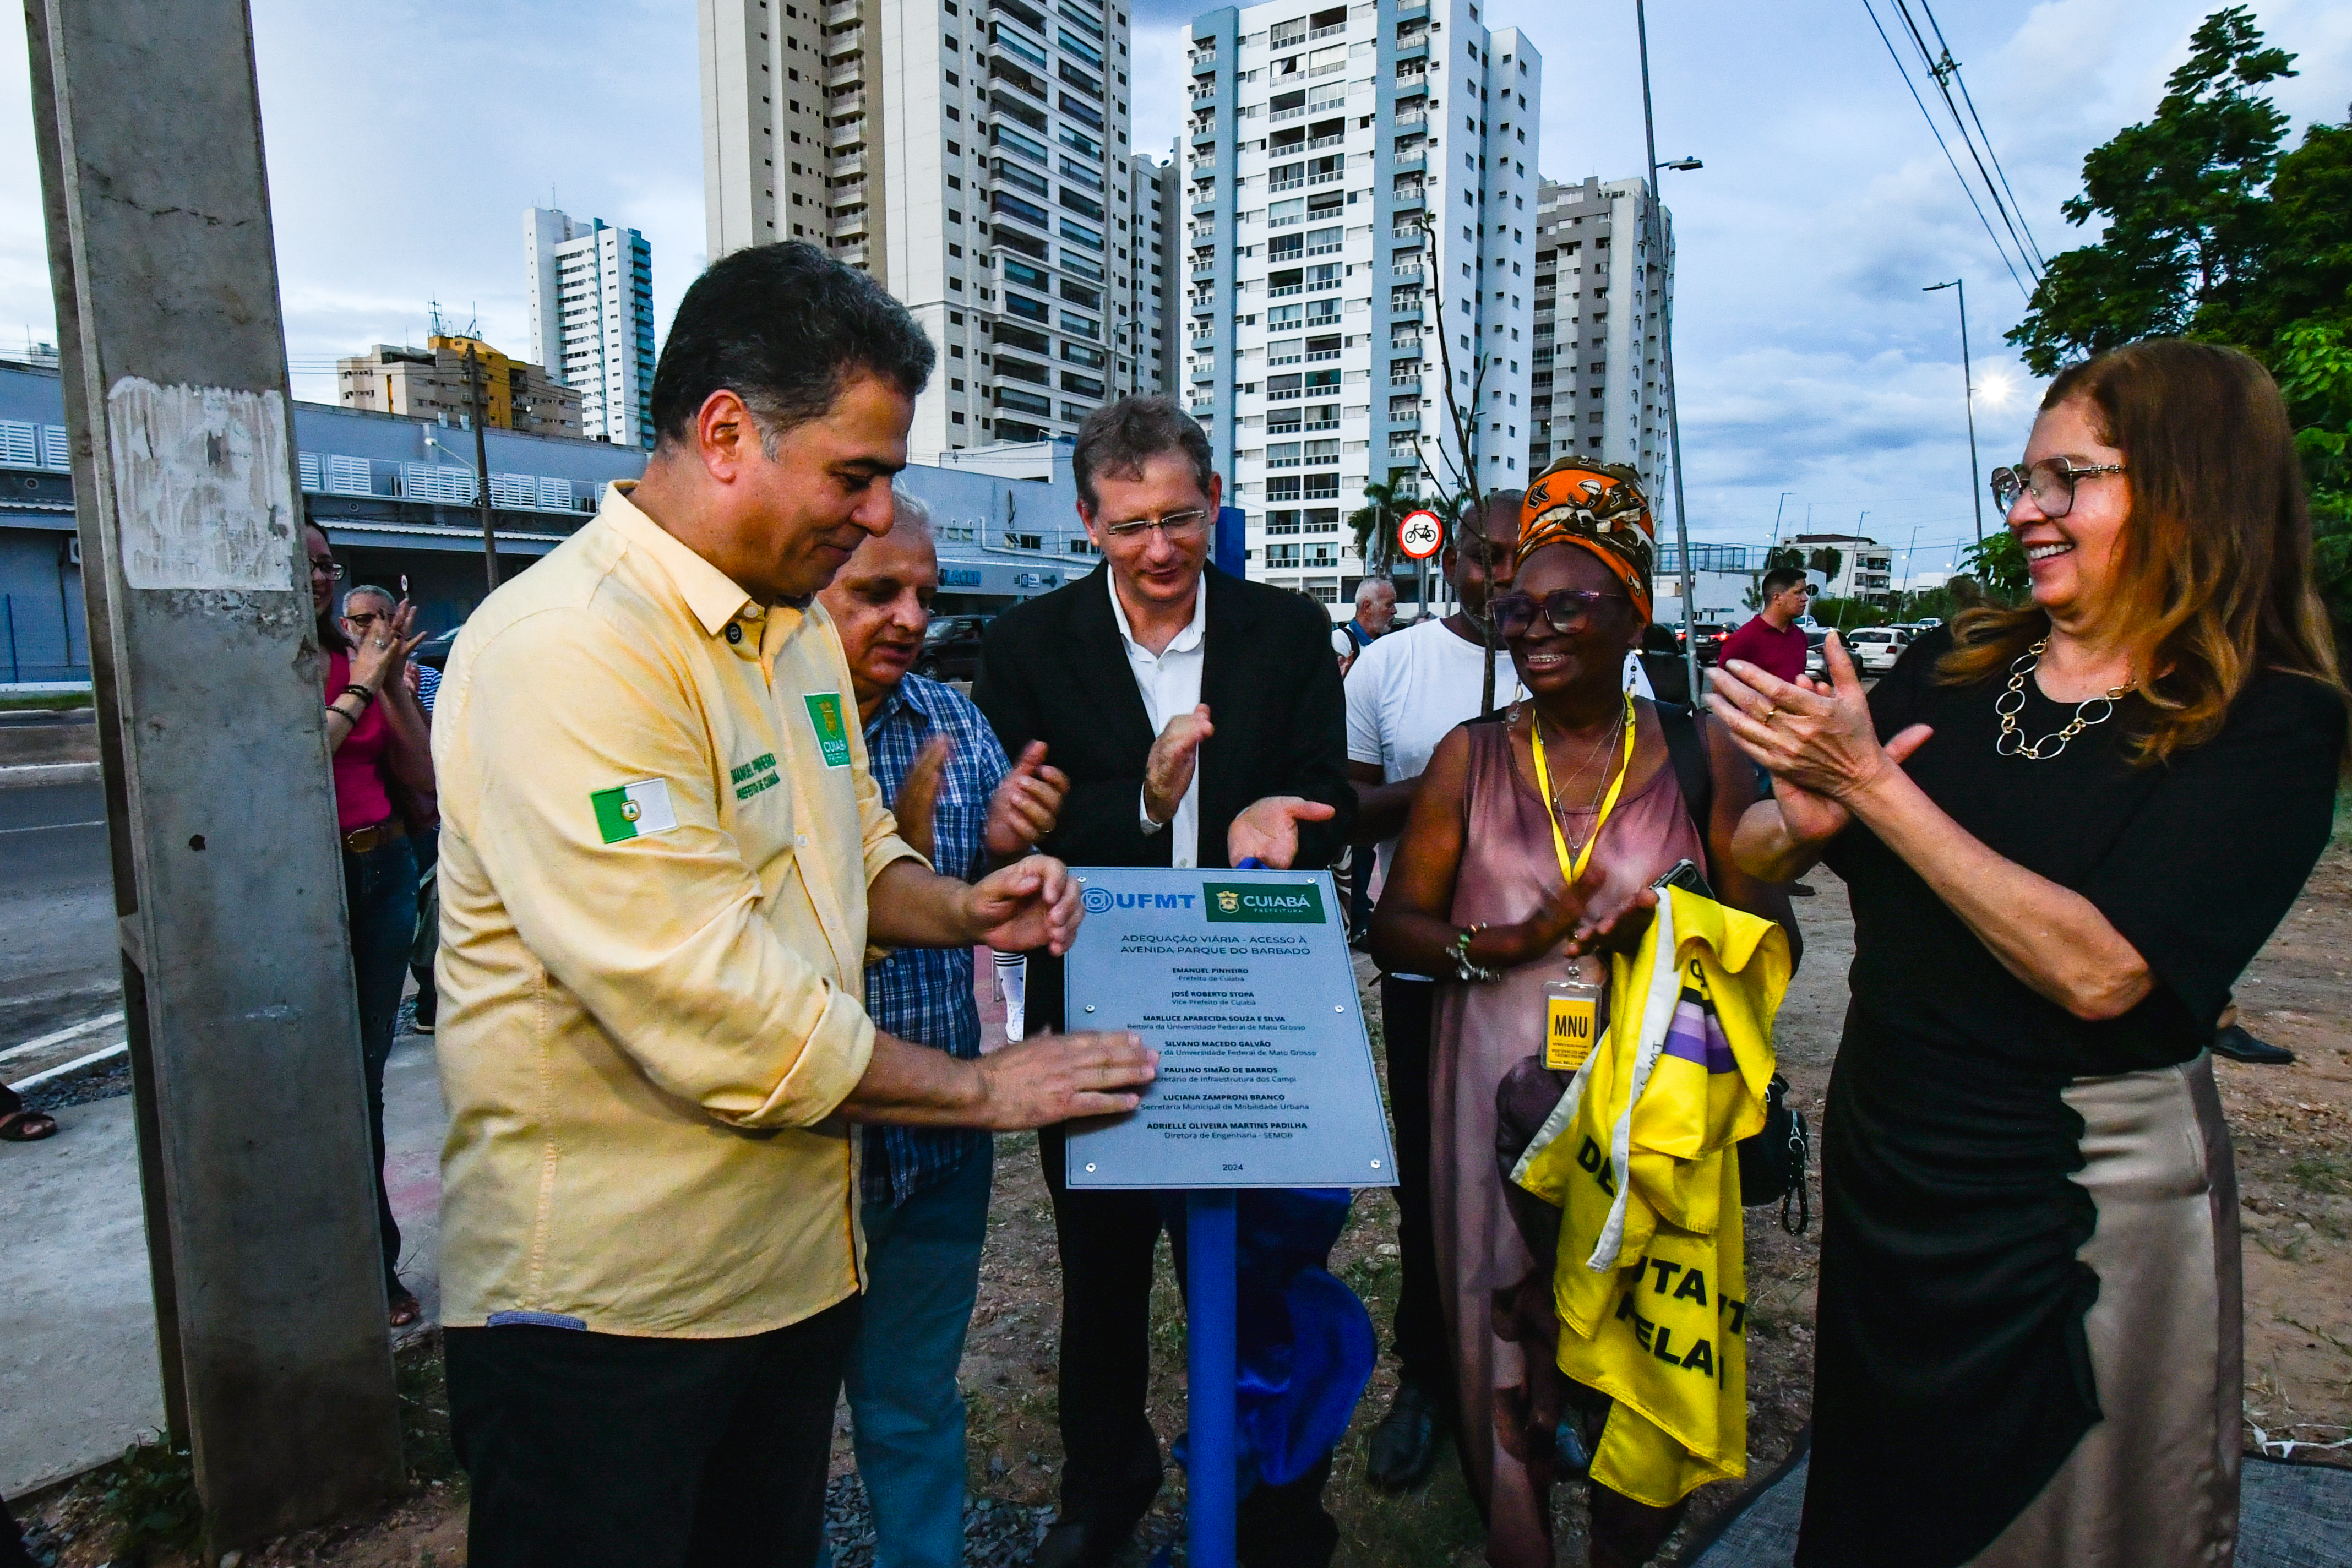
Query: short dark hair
column 1120, row 439
column 783, row 327
column 1780, row 579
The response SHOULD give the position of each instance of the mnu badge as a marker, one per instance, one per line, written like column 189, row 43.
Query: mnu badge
column 831, row 734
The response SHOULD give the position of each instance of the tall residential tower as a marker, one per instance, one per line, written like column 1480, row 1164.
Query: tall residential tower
column 589, row 290
column 971, row 154
column 1364, row 213
column 1600, row 294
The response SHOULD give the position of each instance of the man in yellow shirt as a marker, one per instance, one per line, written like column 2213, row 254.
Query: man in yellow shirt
column 663, row 868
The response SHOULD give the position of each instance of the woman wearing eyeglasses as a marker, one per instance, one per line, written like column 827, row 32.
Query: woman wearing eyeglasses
column 378, row 736
column 1530, row 835
column 2065, row 828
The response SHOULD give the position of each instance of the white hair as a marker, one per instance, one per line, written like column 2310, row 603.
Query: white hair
column 913, row 513
column 369, row 591
column 1369, row 589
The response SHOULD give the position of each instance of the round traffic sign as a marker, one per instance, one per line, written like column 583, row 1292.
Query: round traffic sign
column 1420, row 534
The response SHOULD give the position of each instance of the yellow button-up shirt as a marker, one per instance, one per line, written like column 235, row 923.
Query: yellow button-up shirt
column 657, row 832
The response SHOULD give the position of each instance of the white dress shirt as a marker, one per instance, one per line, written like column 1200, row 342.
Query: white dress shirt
column 1169, row 684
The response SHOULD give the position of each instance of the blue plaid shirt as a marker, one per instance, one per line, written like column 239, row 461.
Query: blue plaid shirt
column 924, row 995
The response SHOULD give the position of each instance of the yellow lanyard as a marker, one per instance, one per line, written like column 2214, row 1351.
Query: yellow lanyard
column 1572, row 867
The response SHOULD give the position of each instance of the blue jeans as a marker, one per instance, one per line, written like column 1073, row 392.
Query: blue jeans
column 380, row 893
column 922, row 1266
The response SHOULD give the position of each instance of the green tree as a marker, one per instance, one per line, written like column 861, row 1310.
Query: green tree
column 1376, row 524
column 2185, row 200
column 2314, row 365
column 1996, row 569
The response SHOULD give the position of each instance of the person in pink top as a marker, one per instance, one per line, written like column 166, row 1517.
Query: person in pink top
column 377, row 733
column 1773, row 641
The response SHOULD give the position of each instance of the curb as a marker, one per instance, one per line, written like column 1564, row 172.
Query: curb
column 49, row 773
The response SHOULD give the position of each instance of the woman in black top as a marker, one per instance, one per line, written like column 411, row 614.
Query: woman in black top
column 2065, row 828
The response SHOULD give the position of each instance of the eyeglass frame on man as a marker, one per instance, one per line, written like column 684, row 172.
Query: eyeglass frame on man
column 1587, row 600
column 2021, row 475
column 1177, row 525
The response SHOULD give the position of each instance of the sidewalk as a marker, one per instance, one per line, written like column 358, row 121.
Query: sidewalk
column 79, row 1370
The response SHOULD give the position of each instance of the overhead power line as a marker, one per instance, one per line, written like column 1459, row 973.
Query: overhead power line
column 1945, row 72
column 1966, row 189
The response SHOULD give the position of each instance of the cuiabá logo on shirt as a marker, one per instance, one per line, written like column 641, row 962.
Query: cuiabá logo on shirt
column 1287, row 903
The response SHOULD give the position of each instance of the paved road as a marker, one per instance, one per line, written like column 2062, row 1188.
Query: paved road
column 58, row 956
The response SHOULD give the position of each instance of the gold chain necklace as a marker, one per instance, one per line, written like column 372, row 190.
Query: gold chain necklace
column 2011, row 741
column 1608, row 743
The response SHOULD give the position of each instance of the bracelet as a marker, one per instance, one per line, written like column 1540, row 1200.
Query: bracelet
column 345, row 714
column 1463, row 969
column 366, row 694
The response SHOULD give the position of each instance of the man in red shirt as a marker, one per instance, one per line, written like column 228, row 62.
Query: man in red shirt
column 1772, row 641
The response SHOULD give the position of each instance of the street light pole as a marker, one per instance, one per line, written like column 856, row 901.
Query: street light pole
column 482, row 466
column 1969, row 385
column 1656, row 237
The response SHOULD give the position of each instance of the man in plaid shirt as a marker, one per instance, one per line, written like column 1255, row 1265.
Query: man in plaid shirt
column 923, row 1193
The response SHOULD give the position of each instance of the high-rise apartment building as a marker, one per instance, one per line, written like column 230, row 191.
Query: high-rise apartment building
column 972, row 155
column 589, row 293
column 1601, row 293
column 1362, row 218
column 1154, row 292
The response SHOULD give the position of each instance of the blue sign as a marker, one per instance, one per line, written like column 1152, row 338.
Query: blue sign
column 1242, row 981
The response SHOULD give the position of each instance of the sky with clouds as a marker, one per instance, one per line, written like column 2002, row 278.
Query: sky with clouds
column 406, row 139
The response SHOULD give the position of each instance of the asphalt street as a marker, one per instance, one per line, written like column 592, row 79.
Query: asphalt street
column 57, row 956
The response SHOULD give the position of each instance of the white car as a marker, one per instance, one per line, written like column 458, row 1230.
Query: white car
column 1876, row 648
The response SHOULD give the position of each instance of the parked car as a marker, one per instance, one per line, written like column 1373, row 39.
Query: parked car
column 1817, row 663
column 1876, row 648
column 951, row 647
column 1710, row 636
column 434, row 651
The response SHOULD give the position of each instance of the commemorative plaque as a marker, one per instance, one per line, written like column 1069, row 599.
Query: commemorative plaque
column 1241, row 980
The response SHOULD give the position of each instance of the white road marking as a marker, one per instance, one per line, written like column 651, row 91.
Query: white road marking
column 87, row 1026
column 53, row 827
column 120, row 1048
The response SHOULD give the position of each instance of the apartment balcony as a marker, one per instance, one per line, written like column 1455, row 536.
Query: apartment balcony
column 1406, row 269
column 1416, row 51
column 848, row 41
column 1327, row 177
column 845, row 12
column 1411, row 8
column 845, row 74
column 847, row 103
column 851, row 227
column 842, row 196
column 1404, row 161
column 850, row 135
column 1326, row 142
column 1200, row 59
column 851, row 254
column 841, row 168
column 1290, row 184
column 1204, row 96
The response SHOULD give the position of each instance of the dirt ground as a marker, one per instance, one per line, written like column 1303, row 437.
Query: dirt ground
column 2294, row 1136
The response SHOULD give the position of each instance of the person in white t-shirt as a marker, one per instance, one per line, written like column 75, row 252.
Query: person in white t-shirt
column 1405, row 692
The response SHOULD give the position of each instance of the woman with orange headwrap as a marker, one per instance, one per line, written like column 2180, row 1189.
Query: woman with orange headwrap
column 1531, row 847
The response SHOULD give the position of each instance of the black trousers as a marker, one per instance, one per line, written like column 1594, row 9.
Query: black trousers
column 608, row 1451
column 1408, row 1010
column 1110, row 1467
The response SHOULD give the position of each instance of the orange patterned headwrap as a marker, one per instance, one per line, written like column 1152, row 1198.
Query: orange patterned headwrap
column 1600, row 508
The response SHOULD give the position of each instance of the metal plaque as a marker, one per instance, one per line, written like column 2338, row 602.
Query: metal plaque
column 1242, row 981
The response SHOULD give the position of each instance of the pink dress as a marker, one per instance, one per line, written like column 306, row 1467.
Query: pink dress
column 1500, row 1323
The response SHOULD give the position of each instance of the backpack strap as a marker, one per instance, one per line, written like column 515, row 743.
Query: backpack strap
column 1687, row 749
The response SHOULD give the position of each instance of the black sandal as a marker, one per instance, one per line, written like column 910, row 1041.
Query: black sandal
column 27, row 1127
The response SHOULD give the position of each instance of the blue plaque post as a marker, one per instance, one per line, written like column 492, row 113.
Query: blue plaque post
column 1242, row 980
column 1211, row 1375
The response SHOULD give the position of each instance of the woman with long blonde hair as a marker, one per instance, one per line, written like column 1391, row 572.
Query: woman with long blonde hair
column 2066, row 827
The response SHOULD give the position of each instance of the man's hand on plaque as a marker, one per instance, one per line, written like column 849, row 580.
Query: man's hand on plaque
column 1268, row 829
column 1057, row 1078
column 1026, row 804
column 1029, row 904
column 1167, row 770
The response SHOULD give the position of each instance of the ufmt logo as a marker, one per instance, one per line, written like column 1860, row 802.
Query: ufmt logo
column 1284, row 903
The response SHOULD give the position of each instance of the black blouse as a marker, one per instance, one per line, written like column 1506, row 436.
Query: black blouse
column 1951, row 1377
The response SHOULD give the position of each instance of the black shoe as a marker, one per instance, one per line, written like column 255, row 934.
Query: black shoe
column 1799, row 890
column 1066, row 1545
column 2241, row 1046
column 1403, row 1449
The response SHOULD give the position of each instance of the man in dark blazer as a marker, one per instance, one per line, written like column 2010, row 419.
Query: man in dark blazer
column 1200, row 721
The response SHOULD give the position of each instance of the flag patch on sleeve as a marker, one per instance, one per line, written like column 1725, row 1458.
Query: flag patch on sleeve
column 632, row 811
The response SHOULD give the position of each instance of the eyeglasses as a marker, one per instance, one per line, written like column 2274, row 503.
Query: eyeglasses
column 365, row 618
column 1176, row 527
column 326, row 566
column 1568, row 610
column 2051, row 481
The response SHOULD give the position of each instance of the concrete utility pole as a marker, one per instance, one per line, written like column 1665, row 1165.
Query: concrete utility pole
column 1655, row 233
column 482, row 467
column 1969, row 385
column 251, row 1109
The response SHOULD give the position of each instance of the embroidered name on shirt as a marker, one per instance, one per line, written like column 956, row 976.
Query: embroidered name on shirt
column 632, row 811
column 759, row 774
column 832, row 734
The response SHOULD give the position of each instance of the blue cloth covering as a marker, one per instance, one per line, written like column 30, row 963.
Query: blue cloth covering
column 1305, row 1344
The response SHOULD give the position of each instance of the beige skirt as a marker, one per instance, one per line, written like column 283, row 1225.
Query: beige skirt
column 2155, row 1483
